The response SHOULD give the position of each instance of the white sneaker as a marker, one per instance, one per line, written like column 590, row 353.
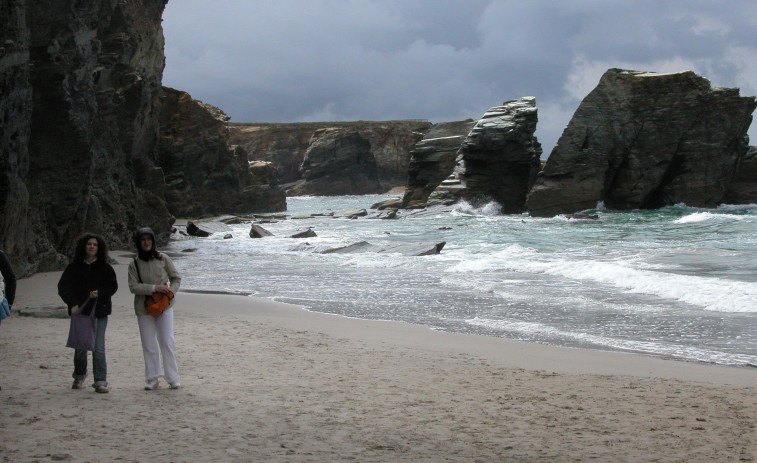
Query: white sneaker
column 174, row 385
column 152, row 385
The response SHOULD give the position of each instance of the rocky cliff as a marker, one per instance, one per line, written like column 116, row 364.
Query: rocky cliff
column 646, row 140
column 498, row 160
column 15, row 125
column 433, row 159
column 338, row 161
column 285, row 146
column 80, row 85
column 743, row 187
column 204, row 174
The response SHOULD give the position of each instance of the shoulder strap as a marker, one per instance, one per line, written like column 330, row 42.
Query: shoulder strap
column 136, row 266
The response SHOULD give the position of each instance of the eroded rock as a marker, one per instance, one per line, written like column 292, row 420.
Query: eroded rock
column 643, row 140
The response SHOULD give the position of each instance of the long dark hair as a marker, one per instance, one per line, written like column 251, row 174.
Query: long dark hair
column 81, row 247
column 152, row 253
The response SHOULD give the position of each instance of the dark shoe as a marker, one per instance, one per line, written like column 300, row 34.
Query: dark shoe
column 78, row 384
column 102, row 389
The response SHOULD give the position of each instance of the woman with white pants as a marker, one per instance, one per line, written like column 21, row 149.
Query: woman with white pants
column 154, row 272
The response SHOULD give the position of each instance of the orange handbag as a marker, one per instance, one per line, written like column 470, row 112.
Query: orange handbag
column 157, row 303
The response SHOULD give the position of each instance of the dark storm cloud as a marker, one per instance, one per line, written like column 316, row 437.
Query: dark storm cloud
column 307, row 60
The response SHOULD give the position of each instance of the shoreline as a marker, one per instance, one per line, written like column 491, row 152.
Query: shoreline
column 499, row 351
column 544, row 356
column 529, row 355
column 268, row 381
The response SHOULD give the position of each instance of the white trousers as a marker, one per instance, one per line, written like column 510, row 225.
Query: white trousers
column 158, row 338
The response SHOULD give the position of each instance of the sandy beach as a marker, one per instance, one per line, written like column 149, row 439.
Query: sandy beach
column 265, row 381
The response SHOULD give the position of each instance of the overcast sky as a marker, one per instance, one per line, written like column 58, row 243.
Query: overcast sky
column 442, row 60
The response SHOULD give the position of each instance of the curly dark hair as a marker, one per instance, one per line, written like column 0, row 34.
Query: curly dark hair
column 81, row 247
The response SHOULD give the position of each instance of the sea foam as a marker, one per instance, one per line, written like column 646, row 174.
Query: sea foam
column 708, row 293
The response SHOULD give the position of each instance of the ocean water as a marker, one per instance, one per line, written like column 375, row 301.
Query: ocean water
column 677, row 282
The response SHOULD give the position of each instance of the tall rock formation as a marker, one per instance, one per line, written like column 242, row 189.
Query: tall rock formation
column 432, row 160
column 338, row 162
column 15, row 125
column 79, row 104
column 743, row 187
column 204, row 174
column 646, row 140
column 285, row 145
column 498, row 160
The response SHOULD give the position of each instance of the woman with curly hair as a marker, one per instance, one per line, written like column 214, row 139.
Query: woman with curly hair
column 87, row 284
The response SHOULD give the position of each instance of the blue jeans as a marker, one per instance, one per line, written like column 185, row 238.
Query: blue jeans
column 98, row 357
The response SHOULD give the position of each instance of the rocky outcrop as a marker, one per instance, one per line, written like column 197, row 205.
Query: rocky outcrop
column 743, row 187
column 433, row 159
column 407, row 249
column 79, row 98
column 646, row 140
column 204, row 174
column 338, row 161
column 391, row 143
column 285, row 146
column 15, row 126
column 498, row 160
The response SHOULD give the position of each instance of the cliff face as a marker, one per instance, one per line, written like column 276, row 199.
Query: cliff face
column 743, row 188
column 15, row 118
column 338, row 161
column 285, row 145
column 433, row 159
column 81, row 94
column 646, row 140
column 204, row 174
column 498, row 160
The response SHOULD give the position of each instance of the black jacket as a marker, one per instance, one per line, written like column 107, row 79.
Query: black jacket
column 80, row 278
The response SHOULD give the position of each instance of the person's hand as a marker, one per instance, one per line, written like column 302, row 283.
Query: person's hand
column 93, row 294
column 74, row 309
column 162, row 289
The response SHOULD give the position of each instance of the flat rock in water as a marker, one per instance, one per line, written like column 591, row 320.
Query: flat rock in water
column 350, row 213
column 581, row 216
column 233, row 219
column 408, row 249
column 204, row 229
column 256, row 231
column 362, row 246
column 305, row 233
column 395, row 203
column 385, row 214
column 415, row 249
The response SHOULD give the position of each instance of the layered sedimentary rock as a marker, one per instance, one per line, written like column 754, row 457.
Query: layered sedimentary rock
column 285, row 145
column 646, row 140
column 743, row 187
column 204, row 174
column 338, row 161
column 79, row 104
column 433, row 159
column 498, row 160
